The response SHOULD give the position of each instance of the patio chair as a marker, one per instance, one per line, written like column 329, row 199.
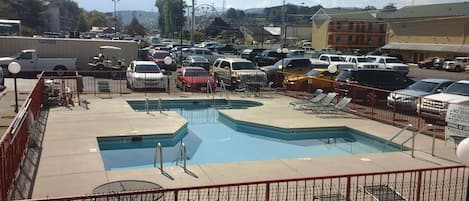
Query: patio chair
column 340, row 106
column 316, row 100
column 307, row 99
column 325, row 102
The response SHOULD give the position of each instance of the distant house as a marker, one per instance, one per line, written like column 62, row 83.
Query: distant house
column 417, row 32
column 260, row 34
column 218, row 26
column 347, row 29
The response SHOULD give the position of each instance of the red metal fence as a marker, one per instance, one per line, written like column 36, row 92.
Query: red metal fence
column 13, row 144
column 448, row 183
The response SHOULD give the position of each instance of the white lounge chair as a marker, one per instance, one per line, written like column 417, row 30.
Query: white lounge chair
column 316, row 100
column 340, row 106
column 326, row 101
column 307, row 99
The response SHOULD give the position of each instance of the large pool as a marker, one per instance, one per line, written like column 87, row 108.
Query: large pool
column 214, row 138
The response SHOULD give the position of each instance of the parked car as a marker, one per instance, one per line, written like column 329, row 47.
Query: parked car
column 160, row 57
column 268, row 57
column 428, row 62
column 237, row 73
column 383, row 79
column 296, row 53
column 145, row 74
column 287, row 65
column 194, row 78
column 438, row 63
column 392, row 63
column 211, row 57
column 408, row 98
column 360, row 62
column 337, row 60
column 195, row 60
column 458, row 64
column 245, row 53
column 318, row 78
column 31, row 62
column 227, row 49
column 433, row 107
column 254, row 53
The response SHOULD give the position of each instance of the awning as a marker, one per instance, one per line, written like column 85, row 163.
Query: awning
column 456, row 48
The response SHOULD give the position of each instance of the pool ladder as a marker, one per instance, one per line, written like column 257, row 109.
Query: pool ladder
column 182, row 156
column 223, row 86
column 158, row 155
column 412, row 137
column 210, row 91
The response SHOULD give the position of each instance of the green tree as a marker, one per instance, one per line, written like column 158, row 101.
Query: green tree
column 98, row 19
column 32, row 14
column 369, row 7
column 135, row 28
column 82, row 23
column 68, row 9
column 198, row 36
column 4, row 4
column 171, row 15
column 231, row 14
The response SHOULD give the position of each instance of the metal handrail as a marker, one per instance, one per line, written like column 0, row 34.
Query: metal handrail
column 158, row 152
column 182, row 155
column 413, row 140
column 147, row 105
column 397, row 134
column 210, row 90
column 160, row 107
column 223, row 86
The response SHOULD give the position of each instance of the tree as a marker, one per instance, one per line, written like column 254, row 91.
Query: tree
column 98, row 19
column 82, row 23
column 231, row 14
column 135, row 28
column 369, row 7
column 32, row 14
column 171, row 15
column 68, row 9
column 198, row 36
column 390, row 6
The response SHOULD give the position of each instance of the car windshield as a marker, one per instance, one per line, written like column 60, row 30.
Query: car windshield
column 337, row 59
column 197, row 73
column 243, row 66
column 362, row 59
column 458, row 59
column 458, row 89
column 423, row 86
column 199, row 59
column 160, row 55
column 147, row 68
column 313, row 73
column 393, row 61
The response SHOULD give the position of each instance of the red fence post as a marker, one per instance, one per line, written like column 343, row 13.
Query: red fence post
column 267, row 192
column 419, row 184
column 347, row 193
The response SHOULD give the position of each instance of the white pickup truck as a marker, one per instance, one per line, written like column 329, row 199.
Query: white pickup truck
column 433, row 107
column 458, row 64
column 391, row 63
column 30, row 62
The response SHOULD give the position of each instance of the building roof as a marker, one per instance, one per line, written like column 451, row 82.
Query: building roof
column 426, row 11
column 350, row 14
column 457, row 48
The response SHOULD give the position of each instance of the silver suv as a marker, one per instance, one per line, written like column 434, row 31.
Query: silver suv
column 238, row 72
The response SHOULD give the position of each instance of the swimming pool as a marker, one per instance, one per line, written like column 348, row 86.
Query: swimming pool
column 211, row 137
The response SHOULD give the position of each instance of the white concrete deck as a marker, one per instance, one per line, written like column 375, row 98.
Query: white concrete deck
column 71, row 163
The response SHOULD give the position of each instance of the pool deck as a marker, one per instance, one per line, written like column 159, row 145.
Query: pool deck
column 71, row 164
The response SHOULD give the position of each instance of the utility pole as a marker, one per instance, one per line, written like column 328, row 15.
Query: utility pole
column 115, row 14
column 193, row 21
column 283, row 30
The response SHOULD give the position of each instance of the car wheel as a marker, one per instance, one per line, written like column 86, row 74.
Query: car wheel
column 128, row 84
column 304, row 87
column 457, row 69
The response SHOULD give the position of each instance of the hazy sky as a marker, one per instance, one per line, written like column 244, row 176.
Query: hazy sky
column 148, row 5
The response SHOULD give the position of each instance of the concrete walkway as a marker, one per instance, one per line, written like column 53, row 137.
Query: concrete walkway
column 71, row 163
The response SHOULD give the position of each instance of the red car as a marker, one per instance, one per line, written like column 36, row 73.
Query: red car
column 158, row 57
column 194, row 78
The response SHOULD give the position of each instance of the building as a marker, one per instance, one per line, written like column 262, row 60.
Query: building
column 58, row 21
column 347, row 29
column 417, row 32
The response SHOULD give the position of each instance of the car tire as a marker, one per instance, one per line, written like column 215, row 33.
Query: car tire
column 304, row 87
column 457, row 69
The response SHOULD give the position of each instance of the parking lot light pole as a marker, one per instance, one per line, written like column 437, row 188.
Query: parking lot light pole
column 14, row 69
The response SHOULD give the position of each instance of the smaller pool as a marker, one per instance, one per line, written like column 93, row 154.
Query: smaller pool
column 194, row 104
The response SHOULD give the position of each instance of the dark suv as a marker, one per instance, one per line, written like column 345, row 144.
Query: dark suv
column 268, row 57
column 381, row 79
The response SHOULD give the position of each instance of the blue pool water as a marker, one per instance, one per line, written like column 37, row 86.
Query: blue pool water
column 214, row 138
